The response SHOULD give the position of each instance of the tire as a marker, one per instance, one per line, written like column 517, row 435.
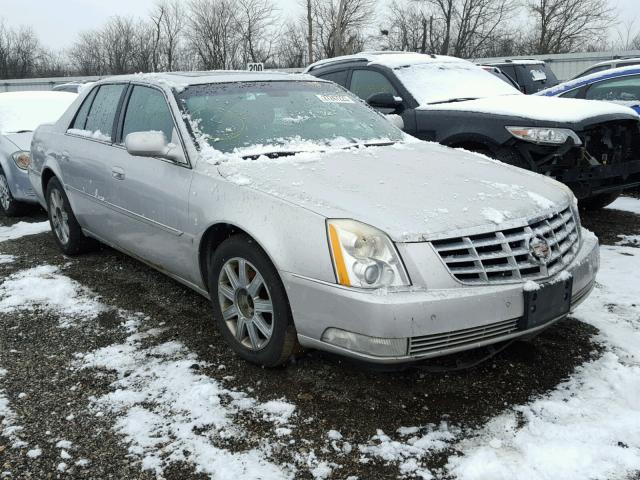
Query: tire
column 66, row 229
column 599, row 201
column 10, row 206
column 264, row 337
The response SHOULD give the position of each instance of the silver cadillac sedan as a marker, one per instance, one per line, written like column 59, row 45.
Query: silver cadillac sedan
column 309, row 219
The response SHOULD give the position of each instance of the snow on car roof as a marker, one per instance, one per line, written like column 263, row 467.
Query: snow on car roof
column 615, row 60
column 587, row 79
column 26, row 110
column 389, row 59
column 180, row 80
column 517, row 61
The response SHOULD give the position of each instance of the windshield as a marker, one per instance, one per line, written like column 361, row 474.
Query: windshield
column 437, row 82
column 282, row 116
column 24, row 111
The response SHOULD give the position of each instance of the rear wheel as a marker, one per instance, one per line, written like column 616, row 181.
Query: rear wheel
column 10, row 206
column 65, row 227
column 250, row 303
column 599, row 201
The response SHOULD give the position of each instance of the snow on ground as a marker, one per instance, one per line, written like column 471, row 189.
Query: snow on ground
column 169, row 412
column 22, row 229
column 164, row 408
column 588, row 427
column 45, row 287
column 8, row 426
column 628, row 204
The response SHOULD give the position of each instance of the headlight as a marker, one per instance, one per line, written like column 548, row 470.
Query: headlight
column 364, row 256
column 555, row 136
column 22, row 159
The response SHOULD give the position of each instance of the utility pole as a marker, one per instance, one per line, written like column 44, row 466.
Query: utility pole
column 310, row 33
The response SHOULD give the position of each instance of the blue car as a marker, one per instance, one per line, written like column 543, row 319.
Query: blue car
column 617, row 85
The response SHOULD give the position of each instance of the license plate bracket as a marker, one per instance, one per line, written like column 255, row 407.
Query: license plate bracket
column 548, row 302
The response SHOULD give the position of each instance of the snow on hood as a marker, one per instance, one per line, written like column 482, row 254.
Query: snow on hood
column 412, row 191
column 537, row 108
column 26, row 110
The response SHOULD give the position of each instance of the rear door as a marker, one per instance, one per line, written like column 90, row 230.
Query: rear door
column 151, row 194
column 86, row 157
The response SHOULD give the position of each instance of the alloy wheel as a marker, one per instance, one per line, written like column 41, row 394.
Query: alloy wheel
column 59, row 217
column 5, row 194
column 245, row 303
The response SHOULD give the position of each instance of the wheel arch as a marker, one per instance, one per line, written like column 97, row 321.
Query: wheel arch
column 472, row 142
column 213, row 237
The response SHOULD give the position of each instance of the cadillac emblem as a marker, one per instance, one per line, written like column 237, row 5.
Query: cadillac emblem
column 539, row 249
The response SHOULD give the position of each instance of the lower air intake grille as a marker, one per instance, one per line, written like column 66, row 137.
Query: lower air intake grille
column 441, row 341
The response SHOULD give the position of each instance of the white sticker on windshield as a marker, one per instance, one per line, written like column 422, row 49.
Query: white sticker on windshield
column 335, row 98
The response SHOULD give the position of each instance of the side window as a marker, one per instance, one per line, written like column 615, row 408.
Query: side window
column 339, row 77
column 147, row 110
column 571, row 93
column 103, row 110
column 625, row 89
column 81, row 116
column 365, row 83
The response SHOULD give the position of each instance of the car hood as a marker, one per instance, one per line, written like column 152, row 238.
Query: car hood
column 561, row 110
column 413, row 191
column 22, row 141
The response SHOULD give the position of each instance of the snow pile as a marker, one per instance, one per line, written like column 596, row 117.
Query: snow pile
column 168, row 412
column 44, row 287
column 4, row 259
column 627, row 204
column 410, row 452
column 589, row 427
column 8, row 427
column 494, row 215
column 22, row 229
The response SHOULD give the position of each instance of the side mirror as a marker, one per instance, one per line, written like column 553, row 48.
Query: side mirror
column 395, row 120
column 384, row 100
column 150, row 144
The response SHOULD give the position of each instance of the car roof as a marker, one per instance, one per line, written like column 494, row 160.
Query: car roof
column 179, row 80
column 591, row 78
column 516, row 61
column 387, row 58
column 614, row 60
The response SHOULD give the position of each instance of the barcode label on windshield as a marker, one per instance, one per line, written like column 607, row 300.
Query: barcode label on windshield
column 335, row 98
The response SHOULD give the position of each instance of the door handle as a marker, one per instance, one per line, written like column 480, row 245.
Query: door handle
column 117, row 173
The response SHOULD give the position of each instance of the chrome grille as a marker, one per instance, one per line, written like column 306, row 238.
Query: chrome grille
column 503, row 256
column 432, row 343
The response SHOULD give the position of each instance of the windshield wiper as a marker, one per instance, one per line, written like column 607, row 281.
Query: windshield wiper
column 452, row 100
column 275, row 154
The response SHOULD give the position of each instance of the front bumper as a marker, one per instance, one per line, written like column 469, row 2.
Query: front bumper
column 20, row 185
column 426, row 322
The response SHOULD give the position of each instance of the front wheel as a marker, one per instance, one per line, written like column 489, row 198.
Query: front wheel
column 599, row 201
column 250, row 303
column 65, row 227
column 10, row 206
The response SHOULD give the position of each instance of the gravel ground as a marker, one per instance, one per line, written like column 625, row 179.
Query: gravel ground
column 52, row 398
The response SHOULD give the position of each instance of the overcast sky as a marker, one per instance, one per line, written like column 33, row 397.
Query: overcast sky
column 58, row 22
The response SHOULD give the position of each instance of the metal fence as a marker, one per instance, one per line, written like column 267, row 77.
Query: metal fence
column 30, row 84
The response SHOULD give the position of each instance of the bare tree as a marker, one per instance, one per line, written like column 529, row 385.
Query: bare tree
column 407, row 27
column 167, row 20
column 292, row 49
column 256, row 21
column 339, row 25
column 563, row 25
column 213, row 33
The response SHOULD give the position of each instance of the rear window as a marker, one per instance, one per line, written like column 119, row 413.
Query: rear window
column 539, row 76
column 103, row 110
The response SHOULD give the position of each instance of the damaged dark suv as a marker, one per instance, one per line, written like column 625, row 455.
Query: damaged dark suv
column 593, row 147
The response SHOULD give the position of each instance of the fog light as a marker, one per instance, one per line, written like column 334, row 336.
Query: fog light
column 375, row 346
